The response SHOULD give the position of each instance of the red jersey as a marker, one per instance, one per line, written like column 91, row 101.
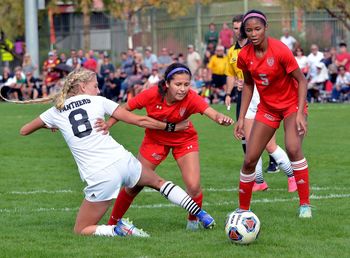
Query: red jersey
column 160, row 110
column 271, row 73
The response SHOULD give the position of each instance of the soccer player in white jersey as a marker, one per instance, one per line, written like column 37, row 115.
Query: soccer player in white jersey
column 103, row 163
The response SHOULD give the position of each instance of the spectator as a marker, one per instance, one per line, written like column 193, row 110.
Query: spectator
column 302, row 61
column 314, row 58
column 193, row 59
column 81, row 56
column 150, row 60
column 31, row 88
column 106, row 67
column 342, row 85
column 91, row 63
column 16, row 84
column 6, row 75
column 73, row 59
column 217, row 66
column 181, row 58
column 211, row 36
column 209, row 52
column 317, row 83
column 226, row 36
column 112, row 87
column 343, row 57
column 164, row 60
column 63, row 58
column 50, row 74
column 27, row 64
column 128, row 61
column 288, row 40
column 153, row 79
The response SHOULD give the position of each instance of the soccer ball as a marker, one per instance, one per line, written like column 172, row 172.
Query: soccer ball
column 242, row 227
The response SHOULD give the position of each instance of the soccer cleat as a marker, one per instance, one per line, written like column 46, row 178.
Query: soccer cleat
column 207, row 221
column 272, row 168
column 192, row 225
column 260, row 187
column 292, row 185
column 305, row 211
column 125, row 228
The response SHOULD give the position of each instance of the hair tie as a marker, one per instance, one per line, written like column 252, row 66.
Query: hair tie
column 254, row 15
column 177, row 70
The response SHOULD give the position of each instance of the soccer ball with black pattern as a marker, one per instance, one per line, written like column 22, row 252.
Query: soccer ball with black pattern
column 242, row 227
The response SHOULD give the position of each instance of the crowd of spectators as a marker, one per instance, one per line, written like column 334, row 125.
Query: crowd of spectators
column 327, row 71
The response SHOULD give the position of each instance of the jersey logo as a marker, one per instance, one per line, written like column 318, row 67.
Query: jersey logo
column 182, row 111
column 158, row 107
column 270, row 61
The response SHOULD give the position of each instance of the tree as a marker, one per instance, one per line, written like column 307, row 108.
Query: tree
column 12, row 18
column 339, row 9
column 127, row 10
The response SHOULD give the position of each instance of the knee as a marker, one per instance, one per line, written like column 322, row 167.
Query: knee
column 294, row 153
column 193, row 189
column 249, row 164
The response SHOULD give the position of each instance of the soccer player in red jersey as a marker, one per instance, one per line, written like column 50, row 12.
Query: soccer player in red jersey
column 172, row 101
column 282, row 87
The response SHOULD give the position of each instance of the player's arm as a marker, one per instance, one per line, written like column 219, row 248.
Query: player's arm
column 247, row 93
column 218, row 117
column 302, row 91
column 126, row 116
column 32, row 126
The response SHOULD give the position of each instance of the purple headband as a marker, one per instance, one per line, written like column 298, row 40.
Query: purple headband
column 177, row 70
column 254, row 15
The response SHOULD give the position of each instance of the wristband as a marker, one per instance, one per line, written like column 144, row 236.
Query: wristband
column 170, row 127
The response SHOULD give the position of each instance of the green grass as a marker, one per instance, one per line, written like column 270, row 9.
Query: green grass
column 40, row 192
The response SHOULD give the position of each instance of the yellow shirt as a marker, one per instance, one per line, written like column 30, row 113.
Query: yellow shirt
column 217, row 65
column 232, row 57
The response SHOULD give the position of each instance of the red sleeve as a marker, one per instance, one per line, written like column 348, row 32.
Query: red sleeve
column 240, row 61
column 198, row 104
column 141, row 100
column 287, row 58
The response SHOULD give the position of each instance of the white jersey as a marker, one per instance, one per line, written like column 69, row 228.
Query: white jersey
column 92, row 151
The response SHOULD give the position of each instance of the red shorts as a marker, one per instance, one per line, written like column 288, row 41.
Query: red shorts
column 273, row 118
column 156, row 153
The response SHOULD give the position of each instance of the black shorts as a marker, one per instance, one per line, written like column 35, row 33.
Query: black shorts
column 218, row 81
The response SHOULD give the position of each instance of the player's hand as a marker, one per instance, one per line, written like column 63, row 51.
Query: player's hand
column 240, row 84
column 224, row 120
column 101, row 126
column 183, row 125
column 238, row 131
column 301, row 124
column 53, row 130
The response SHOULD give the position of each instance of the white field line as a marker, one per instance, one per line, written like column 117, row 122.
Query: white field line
column 161, row 205
column 148, row 190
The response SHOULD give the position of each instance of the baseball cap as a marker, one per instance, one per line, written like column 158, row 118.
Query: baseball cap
column 190, row 46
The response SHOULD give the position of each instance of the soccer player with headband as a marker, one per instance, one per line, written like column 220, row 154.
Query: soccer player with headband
column 270, row 65
column 172, row 101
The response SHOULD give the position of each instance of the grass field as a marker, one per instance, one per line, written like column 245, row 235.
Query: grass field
column 40, row 192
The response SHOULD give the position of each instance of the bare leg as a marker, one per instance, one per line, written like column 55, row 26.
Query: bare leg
column 90, row 213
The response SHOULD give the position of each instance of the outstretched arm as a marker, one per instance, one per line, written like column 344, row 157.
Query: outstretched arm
column 32, row 126
column 217, row 117
column 126, row 116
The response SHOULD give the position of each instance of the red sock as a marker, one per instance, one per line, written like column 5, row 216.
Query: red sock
column 246, row 183
column 198, row 199
column 301, row 174
column 121, row 205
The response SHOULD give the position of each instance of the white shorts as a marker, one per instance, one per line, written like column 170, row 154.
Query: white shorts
column 105, row 185
column 253, row 105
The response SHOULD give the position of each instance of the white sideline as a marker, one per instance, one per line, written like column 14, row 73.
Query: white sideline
column 149, row 190
column 160, row 205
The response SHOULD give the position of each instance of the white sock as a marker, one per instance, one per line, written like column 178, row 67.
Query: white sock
column 283, row 161
column 105, row 230
column 178, row 196
column 259, row 178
